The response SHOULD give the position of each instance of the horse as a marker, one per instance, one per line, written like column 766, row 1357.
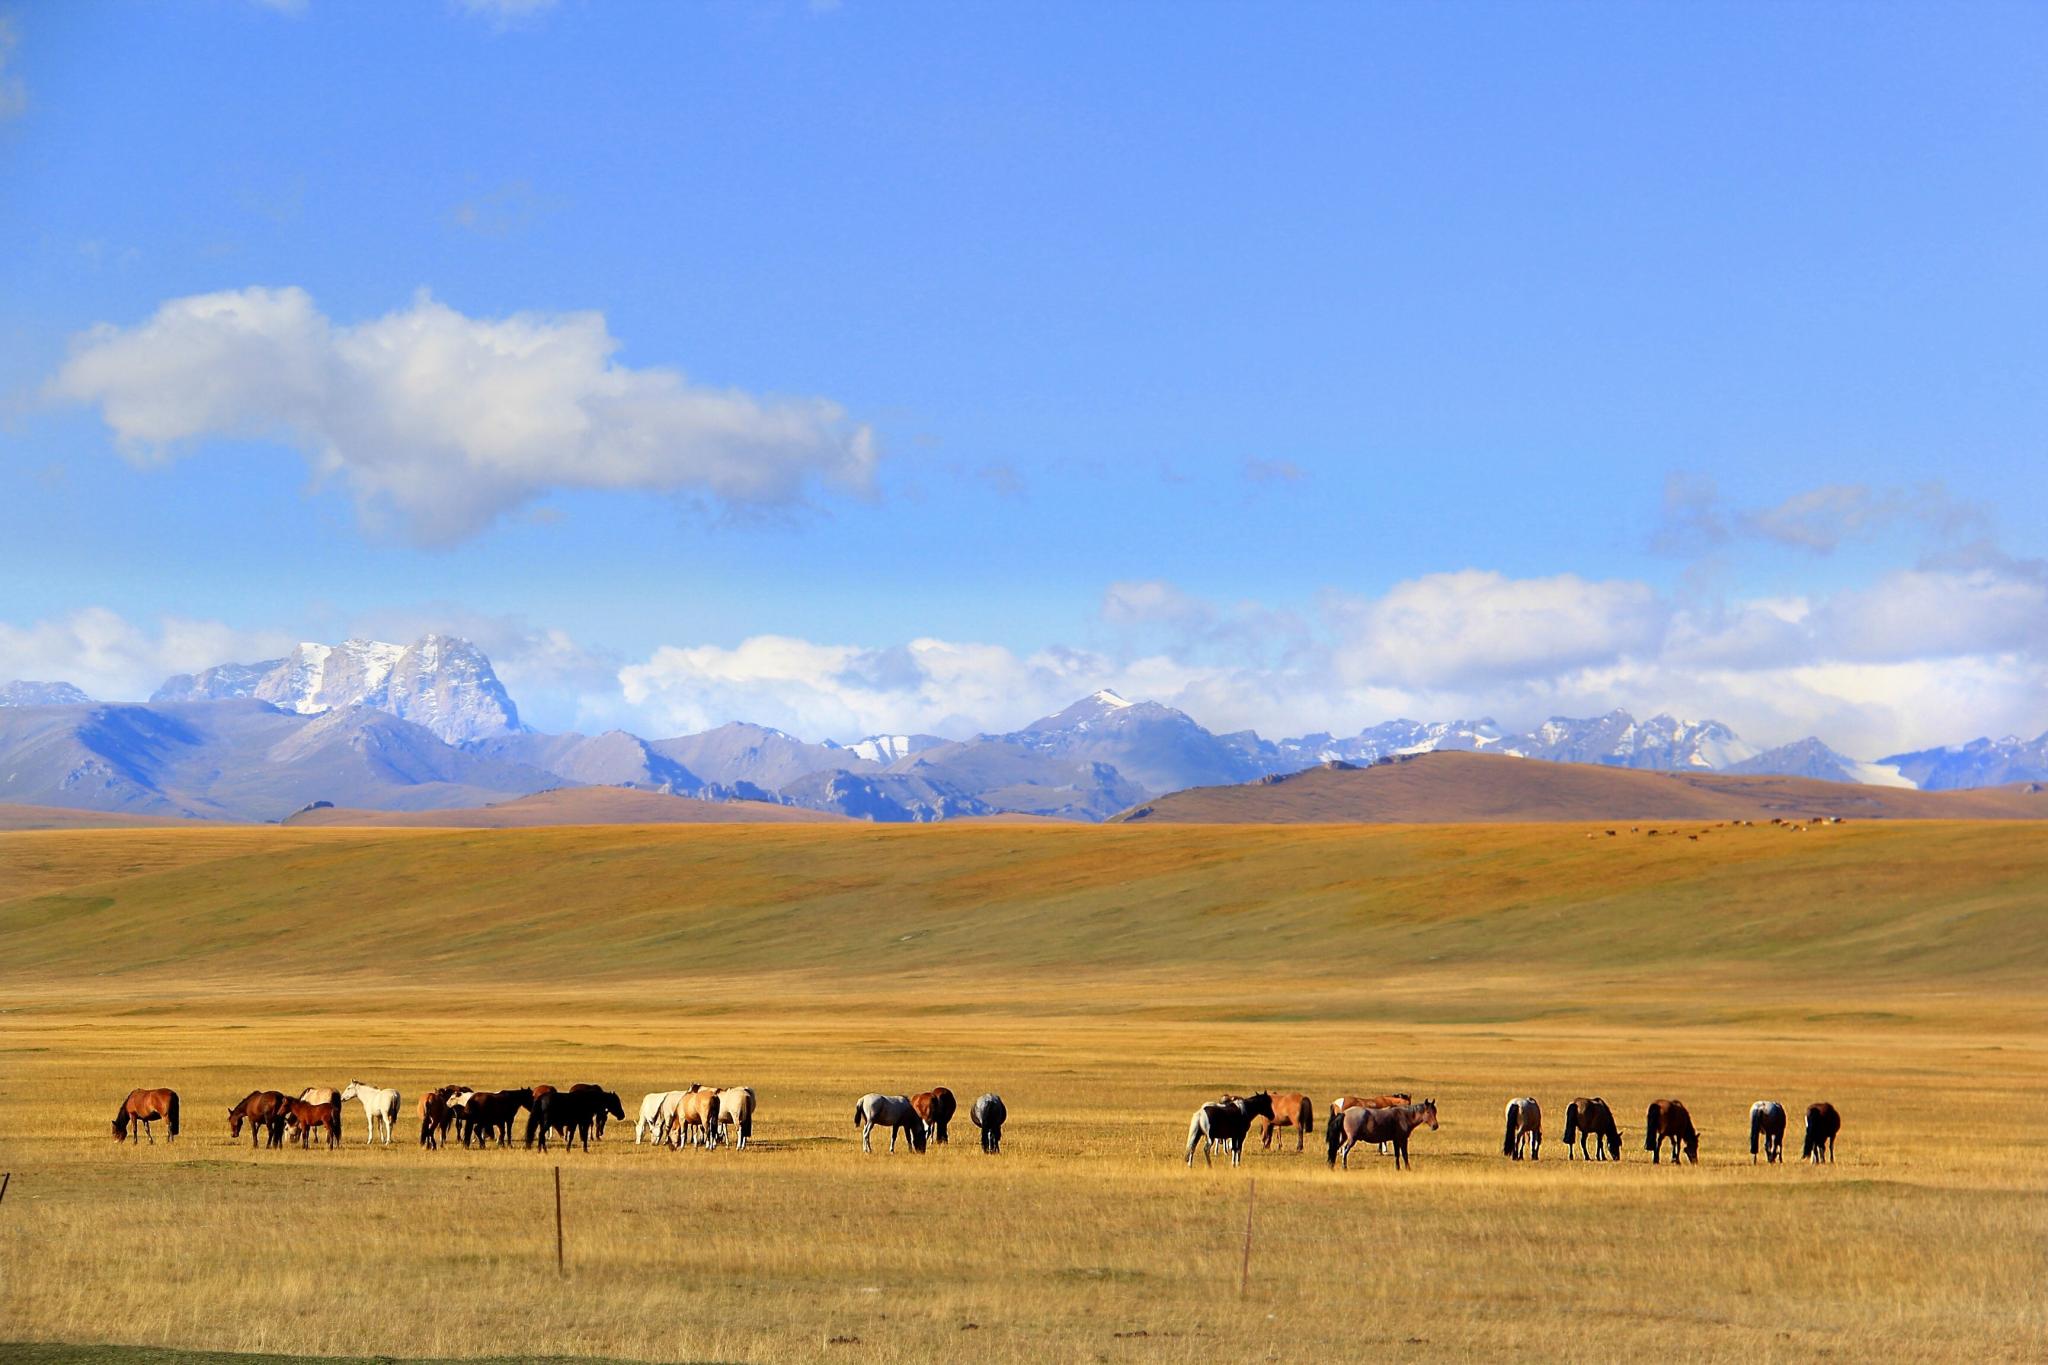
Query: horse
column 1344, row 1102
column 263, row 1111
column 434, row 1117
column 736, row 1110
column 490, row 1114
column 1668, row 1121
column 1226, row 1121
column 586, row 1088
column 936, row 1107
column 323, row 1094
column 989, row 1115
column 1392, row 1124
column 1767, row 1130
column 378, row 1105
column 1822, row 1123
column 696, row 1111
column 1290, row 1110
column 1591, row 1118
column 146, row 1107
column 571, row 1113
column 651, row 1122
column 1524, row 1130
column 873, row 1110
column 303, row 1116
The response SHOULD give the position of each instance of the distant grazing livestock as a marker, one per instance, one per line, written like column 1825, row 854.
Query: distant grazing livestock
column 301, row 1117
column 1591, row 1119
column 696, row 1113
column 936, row 1107
column 146, row 1107
column 488, row 1115
column 379, row 1106
column 1389, row 1125
column 735, row 1112
column 324, row 1094
column 872, row 1111
column 989, row 1115
column 1226, row 1121
column 657, row 1111
column 1669, row 1121
column 1344, row 1102
column 1822, row 1123
column 1524, row 1130
column 1290, row 1110
column 263, row 1111
column 604, row 1111
column 434, row 1118
column 1767, row 1131
column 570, row 1114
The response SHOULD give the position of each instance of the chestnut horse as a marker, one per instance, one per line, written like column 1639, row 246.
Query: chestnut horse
column 936, row 1107
column 1669, row 1121
column 1822, row 1123
column 1767, row 1130
column 1364, row 1124
column 1290, row 1110
column 1591, row 1118
column 263, row 1111
column 146, row 1107
column 302, row 1117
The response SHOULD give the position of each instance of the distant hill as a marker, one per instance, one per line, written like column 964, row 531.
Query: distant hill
column 1455, row 788
column 15, row 817
column 573, row 806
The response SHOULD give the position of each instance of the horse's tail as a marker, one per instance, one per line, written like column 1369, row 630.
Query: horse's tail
column 1333, row 1135
column 1756, row 1129
column 856, row 1114
column 1651, row 1131
column 1195, row 1129
column 1571, row 1123
column 532, row 1124
column 171, row 1113
column 1507, row 1141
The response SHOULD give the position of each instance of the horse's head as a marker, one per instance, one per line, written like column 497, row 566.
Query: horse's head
column 349, row 1091
column 1613, row 1141
column 234, row 1123
column 1426, row 1113
column 120, row 1125
column 613, row 1105
column 1259, row 1105
column 918, row 1132
column 1692, row 1148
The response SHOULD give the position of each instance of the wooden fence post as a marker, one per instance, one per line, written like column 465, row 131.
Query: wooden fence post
column 5, row 1178
column 1244, row 1274
column 561, row 1267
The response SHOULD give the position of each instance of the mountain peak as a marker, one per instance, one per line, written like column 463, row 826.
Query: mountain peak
column 22, row 692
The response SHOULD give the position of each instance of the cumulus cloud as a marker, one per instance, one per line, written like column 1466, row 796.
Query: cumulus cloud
column 438, row 423
column 113, row 659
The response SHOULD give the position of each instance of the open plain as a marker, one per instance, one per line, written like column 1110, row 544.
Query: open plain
column 1105, row 980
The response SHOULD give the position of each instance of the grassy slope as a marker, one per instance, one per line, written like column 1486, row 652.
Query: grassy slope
column 1864, row 903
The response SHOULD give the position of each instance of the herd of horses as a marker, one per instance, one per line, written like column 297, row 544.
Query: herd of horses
column 709, row 1116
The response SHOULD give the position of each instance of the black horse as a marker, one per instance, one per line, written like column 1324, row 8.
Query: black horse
column 489, row 1114
column 1591, row 1119
column 1822, row 1123
column 571, row 1114
column 989, row 1115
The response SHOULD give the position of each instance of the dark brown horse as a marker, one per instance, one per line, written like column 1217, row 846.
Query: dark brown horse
column 1669, row 1121
column 1290, row 1110
column 1591, row 1119
column 263, row 1111
column 146, row 1107
column 303, row 1116
column 936, row 1107
column 489, row 1114
column 572, row 1114
column 1392, row 1124
column 1822, row 1123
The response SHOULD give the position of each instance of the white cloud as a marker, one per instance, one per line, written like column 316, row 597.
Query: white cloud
column 439, row 423
column 113, row 659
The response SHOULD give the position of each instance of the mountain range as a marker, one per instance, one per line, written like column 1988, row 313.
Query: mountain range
column 428, row 725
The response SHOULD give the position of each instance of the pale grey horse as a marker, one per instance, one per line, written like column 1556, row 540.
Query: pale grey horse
column 875, row 1110
column 989, row 1115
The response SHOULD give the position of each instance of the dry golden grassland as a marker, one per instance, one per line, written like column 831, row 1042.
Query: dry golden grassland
column 1105, row 981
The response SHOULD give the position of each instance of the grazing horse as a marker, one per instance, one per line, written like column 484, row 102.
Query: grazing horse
column 378, row 1106
column 571, row 1113
column 936, row 1107
column 873, row 1110
column 1344, row 1102
column 1669, row 1121
column 1822, row 1123
column 1525, row 1129
column 1591, row 1118
column 736, row 1110
column 586, row 1088
column 651, row 1122
column 490, row 1114
column 1226, row 1121
column 1767, row 1130
column 263, row 1111
column 989, row 1115
column 146, row 1107
column 1290, row 1110
column 323, row 1094
column 434, row 1117
column 303, row 1116
column 696, row 1112
column 1365, row 1124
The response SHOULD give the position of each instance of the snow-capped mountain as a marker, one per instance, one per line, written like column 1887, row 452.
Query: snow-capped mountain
column 1980, row 763
column 1619, row 740
column 440, row 682
column 886, row 749
column 1810, row 758
column 24, row 693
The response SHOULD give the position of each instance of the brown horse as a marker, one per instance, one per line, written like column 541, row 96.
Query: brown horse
column 489, row 1114
column 1290, row 1110
column 146, row 1107
column 1591, row 1118
column 698, row 1113
column 303, row 1116
column 1363, row 1124
column 434, row 1117
column 1822, row 1123
column 1669, row 1121
column 1344, row 1102
column 936, row 1107
column 263, row 1111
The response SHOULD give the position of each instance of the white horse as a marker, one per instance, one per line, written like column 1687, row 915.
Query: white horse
column 657, row 1112
column 377, row 1105
column 735, row 1110
column 896, row 1111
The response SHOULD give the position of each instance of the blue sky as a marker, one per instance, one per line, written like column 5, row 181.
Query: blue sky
column 1300, row 365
